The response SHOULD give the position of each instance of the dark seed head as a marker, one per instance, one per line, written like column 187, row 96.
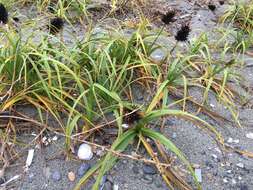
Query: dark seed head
column 3, row 14
column 131, row 116
column 183, row 33
column 56, row 24
column 211, row 7
column 169, row 17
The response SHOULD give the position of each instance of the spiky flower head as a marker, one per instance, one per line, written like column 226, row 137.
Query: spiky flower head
column 211, row 7
column 56, row 24
column 169, row 17
column 183, row 33
column 3, row 14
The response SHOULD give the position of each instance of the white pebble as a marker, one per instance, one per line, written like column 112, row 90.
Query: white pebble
column 240, row 165
column 198, row 175
column 84, row 152
column 115, row 187
column 225, row 180
column 214, row 156
column 125, row 126
column 55, row 138
column 249, row 135
column 233, row 181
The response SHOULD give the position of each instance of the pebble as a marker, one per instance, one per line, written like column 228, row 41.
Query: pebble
column 85, row 152
column 125, row 126
column 2, row 180
column 209, row 164
column 158, row 183
column 71, row 176
column 135, row 169
column 225, row 180
column 215, row 157
column 174, row 135
column 240, row 165
column 31, row 177
column 102, row 184
column 230, row 140
column 107, row 186
column 149, row 169
column 56, row 176
column 115, row 187
column 198, row 175
column 244, row 187
column 148, row 179
column 83, row 169
column 249, row 135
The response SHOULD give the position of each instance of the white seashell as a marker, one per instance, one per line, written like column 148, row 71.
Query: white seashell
column 84, row 152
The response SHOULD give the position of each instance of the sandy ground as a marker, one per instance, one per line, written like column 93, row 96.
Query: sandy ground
column 228, row 171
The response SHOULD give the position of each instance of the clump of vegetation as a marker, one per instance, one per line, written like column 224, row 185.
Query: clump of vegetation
column 96, row 76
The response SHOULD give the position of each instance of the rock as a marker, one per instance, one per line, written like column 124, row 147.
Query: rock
column 215, row 157
column 102, row 184
column 243, row 187
column 158, row 55
column 2, row 180
column 230, row 140
column 115, row 187
column 158, row 183
column 56, row 176
column 46, row 172
column 148, row 179
column 71, row 176
column 198, row 174
column 240, row 165
column 135, row 169
column 84, row 152
column 83, row 169
column 108, row 186
column 31, row 177
column 149, row 169
column 225, row 180
column 249, row 135
column 209, row 164
column 174, row 135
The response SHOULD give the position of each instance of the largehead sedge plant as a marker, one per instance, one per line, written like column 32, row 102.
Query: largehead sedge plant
column 96, row 76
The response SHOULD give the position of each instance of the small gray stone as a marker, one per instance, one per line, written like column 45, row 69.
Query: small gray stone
column 149, row 169
column 2, row 180
column 244, row 187
column 108, row 186
column 135, row 169
column 102, row 184
column 84, row 167
column 174, row 135
column 31, row 177
column 56, row 176
column 147, row 179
